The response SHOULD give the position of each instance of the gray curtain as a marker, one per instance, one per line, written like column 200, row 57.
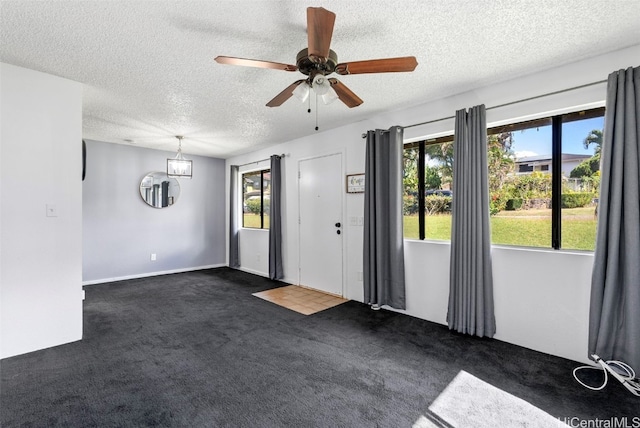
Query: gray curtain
column 614, row 318
column 234, row 193
column 383, row 231
column 275, row 221
column 471, row 278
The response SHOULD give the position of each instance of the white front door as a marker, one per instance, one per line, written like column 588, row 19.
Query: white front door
column 320, row 198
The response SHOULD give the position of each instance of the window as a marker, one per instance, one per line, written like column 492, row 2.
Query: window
column 544, row 178
column 544, row 181
column 256, row 191
column 520, row 191
column 428, row 171
column 581, row 142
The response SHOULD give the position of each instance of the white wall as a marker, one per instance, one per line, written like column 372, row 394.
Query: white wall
column 254, row 251
column 541, row 296
column 120, row 231
column 546, row 311
column 40, row 256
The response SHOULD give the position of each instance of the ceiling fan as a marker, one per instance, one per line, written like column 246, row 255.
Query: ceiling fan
column 318, row 60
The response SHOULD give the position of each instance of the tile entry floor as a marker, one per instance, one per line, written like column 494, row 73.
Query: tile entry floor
column 302, row 300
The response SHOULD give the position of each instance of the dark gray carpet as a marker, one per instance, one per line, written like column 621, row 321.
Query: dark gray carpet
column 197, row 350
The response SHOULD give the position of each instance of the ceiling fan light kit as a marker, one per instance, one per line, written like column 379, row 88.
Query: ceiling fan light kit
column 302, row 91
column 320, row 85
column 329, row 97
column 318, row 61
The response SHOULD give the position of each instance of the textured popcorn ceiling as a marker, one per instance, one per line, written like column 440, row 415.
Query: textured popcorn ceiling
column 149, row 72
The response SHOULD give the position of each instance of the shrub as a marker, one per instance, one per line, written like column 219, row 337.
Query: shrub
column 576, row 200
column 253, row 205
column 409, row 204
column 530, row 186
column 435, row 204
column 497, row 203
column 513, row 204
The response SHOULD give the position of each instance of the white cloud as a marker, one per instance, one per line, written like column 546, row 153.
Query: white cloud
column 524, row 154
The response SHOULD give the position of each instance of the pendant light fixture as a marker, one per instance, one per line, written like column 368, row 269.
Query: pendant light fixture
column 179, row 167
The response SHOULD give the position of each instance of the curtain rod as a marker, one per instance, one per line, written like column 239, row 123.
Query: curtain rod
column 535, row 97
column 262, row 160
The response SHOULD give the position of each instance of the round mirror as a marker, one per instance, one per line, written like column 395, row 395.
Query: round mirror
column 159, row 190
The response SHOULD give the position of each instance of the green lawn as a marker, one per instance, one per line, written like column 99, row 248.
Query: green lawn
column 530, row 228
column 253, row 221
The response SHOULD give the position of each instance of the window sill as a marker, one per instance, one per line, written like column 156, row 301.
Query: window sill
column 413, row 241
column 427, row 241
column 541, row 250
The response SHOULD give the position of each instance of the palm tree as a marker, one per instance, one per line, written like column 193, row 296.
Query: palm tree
column 594, row 137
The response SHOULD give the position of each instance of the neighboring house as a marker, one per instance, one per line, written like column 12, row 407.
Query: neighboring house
column 542, row 163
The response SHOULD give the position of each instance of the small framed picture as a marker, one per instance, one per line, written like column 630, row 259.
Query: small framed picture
column 355, row 183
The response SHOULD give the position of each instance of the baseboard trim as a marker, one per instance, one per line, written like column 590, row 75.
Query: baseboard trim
column 148, row 274
column 254, row 272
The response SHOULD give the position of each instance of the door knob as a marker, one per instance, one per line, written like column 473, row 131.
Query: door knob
column 338, row 224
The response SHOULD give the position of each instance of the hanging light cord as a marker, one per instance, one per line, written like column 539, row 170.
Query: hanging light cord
column 179, row 155
column 619, row 370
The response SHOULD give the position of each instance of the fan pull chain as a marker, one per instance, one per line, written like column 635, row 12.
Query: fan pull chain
column 316, row 112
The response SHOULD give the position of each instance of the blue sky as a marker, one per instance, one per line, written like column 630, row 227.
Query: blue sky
column 537, row 141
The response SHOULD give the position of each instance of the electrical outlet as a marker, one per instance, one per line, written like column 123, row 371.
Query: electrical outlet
column 153, row 257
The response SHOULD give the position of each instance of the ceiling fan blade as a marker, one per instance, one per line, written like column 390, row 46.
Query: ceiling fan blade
column 345, row 94
column 284, row 95
column 255, row 63
column 319, row 31
column 387, row 65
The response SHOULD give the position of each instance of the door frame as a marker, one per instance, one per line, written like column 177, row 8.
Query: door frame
column 343, row 201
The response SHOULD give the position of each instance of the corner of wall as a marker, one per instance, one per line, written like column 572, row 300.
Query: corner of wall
column 41, row 211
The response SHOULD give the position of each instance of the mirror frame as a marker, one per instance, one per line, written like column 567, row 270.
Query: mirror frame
column 156, row 178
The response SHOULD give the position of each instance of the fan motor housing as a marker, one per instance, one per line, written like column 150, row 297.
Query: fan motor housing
column 307, row 66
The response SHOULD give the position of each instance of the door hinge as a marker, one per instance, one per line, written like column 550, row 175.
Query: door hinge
column 299, row 174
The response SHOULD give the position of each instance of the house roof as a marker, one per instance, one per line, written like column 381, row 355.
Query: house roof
column 566, row 157
column 149, row 72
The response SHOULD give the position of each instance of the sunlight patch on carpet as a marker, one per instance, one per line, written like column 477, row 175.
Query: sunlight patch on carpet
column 300, row 299
column 470, row 402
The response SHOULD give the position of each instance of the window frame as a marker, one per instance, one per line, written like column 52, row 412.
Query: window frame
column 421, row 145
column 262, row 180
column 556, row 165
